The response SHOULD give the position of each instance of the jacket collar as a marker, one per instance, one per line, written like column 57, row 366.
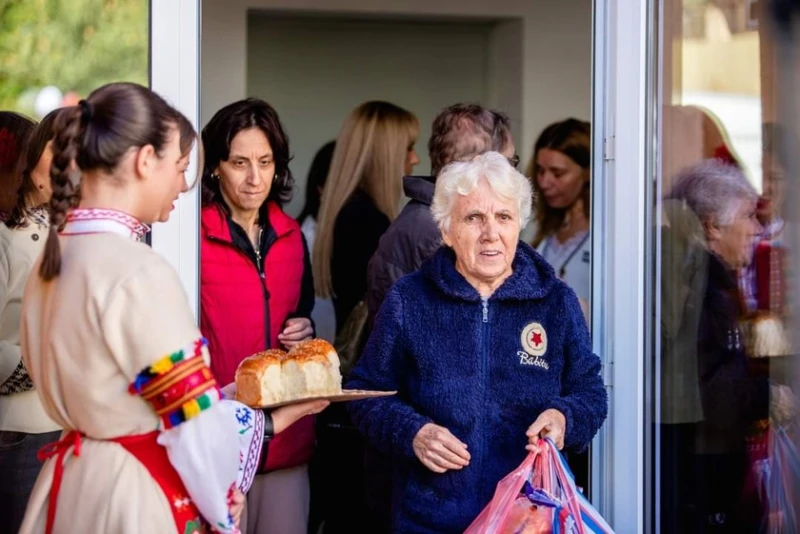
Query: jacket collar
column 419, row 188
column 215, row 220
column 532, row 276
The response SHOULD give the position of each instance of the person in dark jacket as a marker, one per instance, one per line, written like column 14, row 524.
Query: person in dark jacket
column 256, row 287
column 487, row 349
column 705, row 423
column 459, row 133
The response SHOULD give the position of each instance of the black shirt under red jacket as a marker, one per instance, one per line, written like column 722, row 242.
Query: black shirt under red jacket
column 246, row 296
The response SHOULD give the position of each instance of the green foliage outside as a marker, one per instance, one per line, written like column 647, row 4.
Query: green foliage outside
column 75, row 45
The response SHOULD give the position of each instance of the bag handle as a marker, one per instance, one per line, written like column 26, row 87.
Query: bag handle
column 561, row 475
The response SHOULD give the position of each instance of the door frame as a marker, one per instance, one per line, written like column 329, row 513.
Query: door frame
column 620, row 192
column 175, row 75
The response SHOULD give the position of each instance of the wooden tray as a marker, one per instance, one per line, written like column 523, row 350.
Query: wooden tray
column 345, row 396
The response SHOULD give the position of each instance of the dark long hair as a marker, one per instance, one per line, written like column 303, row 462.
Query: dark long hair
column 15, row 130
column 96, row 135
column 218, row 136
column 42, row 134
column 317, row 176
column 571, row 137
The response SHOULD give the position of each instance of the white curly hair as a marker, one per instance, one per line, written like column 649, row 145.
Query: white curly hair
column 462, row 178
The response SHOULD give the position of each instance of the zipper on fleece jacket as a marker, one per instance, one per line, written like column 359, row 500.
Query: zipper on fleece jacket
column 484, row 379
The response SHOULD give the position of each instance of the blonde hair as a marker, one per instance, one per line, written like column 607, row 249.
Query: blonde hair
column 370, row 153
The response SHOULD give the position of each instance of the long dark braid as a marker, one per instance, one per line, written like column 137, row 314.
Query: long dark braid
column 70, row 129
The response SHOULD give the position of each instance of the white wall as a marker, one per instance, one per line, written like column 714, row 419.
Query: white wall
column 555, row 35
column 315, row 71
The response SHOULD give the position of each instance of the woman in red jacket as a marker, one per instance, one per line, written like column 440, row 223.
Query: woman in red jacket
column 257, row 290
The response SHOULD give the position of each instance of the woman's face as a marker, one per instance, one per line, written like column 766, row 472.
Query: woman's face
column 734, row 242
column 412, row 160
column 41, row 175
column 245, row 179
column 168, row 180
column 484, row 231
column 559, row 178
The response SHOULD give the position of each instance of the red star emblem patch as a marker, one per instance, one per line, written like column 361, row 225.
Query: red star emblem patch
column 536, row 338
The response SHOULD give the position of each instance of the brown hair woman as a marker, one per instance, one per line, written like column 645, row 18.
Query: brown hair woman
column 561, row 175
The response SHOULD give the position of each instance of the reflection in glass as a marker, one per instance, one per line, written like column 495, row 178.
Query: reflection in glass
column 721, row 349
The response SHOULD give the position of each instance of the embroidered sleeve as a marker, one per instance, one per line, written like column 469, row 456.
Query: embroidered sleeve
column 179, row 386
column 152, row 335
column 213, row 443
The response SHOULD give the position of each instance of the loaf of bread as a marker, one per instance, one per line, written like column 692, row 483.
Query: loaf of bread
column 259, row 380
column 766, row 337
column 310, row 369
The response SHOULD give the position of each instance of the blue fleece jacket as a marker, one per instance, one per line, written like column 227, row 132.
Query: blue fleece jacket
column 482, row 369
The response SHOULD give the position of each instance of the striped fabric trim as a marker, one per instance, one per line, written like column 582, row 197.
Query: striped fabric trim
column 144, row 380
column 190, row 409
column 82, row 221
column 251, row 463
column 179, row 386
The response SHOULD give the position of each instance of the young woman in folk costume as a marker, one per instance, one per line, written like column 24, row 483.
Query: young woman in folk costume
column 111, row 344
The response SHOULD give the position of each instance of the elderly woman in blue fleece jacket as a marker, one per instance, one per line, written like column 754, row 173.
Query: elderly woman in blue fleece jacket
column 487, row 349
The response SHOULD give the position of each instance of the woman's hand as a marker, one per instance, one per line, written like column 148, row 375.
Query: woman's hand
column 295, row 331
column 237, row 506
column 439, row 450
column 286, row 416
column 550, row 424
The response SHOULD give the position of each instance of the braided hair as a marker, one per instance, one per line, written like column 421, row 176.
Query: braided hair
column 96, row 135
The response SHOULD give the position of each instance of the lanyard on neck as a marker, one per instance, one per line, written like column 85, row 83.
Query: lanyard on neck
column 562, row 271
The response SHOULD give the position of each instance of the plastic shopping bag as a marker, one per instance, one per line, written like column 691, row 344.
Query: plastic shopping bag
column 539, row 497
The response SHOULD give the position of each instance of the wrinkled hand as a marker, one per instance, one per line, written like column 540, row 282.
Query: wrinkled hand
column 237, row 506
column 783, row 404
column 286, row 416
column 550, row 424
column 295, row 331
column 439, row 450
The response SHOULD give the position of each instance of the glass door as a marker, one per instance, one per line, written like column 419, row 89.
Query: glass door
column 718, row 344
